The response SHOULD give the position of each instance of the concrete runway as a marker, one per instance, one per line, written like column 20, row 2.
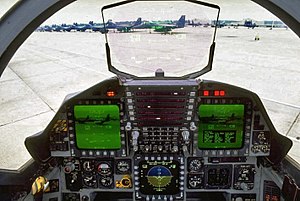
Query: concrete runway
column 51, row 65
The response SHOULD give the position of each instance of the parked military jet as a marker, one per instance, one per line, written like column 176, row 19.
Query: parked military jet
column 127, row 26
column 162, row 26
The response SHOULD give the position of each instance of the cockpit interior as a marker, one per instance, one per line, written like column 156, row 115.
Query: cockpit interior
column 155, row 138
column 162, row 140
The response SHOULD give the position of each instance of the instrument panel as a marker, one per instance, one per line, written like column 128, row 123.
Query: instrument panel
column 160, row 140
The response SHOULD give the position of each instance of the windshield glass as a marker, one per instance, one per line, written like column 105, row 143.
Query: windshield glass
column 173, row 36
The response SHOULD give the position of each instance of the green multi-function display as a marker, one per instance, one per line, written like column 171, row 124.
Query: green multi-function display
column 221, row 126
column 97, row 126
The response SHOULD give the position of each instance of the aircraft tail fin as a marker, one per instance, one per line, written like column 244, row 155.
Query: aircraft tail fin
column 138, row 21
column 181, row 22
column 110, row 24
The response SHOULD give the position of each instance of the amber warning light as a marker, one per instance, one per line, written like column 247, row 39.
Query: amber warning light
column 111, row 93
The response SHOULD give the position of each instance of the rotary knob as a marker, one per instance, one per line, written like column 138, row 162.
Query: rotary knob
column 85, row 198
column 193, row 127
column 128, row 126
column 244, row 186
column 69, row 167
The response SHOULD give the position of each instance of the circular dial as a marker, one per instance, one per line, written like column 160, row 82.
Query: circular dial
column 123, row 166
column 106, row 181
column 88, row 166
column 195, row 181
column 159, row 176
column 195, row 165
column 104, row 168
column 90, row 180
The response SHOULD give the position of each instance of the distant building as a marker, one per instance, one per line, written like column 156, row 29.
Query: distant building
column 274, row 24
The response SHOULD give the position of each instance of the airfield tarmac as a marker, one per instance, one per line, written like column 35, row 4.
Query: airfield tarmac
column 51, row 65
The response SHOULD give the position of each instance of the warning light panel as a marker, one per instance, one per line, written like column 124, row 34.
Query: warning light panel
column 222, row 93
column 110, row 93
column 214, row 93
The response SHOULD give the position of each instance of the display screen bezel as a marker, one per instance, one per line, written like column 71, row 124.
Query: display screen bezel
column 99, row 146
column 239, row 140
column 147, row 189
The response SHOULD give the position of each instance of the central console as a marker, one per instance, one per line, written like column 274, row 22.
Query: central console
column 160, row 119
column 161, row 124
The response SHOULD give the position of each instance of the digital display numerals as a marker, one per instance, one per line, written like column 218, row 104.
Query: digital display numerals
column 219, row 136
column 221, row 126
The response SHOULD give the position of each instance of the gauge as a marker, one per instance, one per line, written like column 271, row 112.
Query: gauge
column 88, row 166
column 90, row 180
column 106, row 181
column 195, row 165
column 123, row 166
column 195, row 181
column 159, row 177
column 104, row 168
